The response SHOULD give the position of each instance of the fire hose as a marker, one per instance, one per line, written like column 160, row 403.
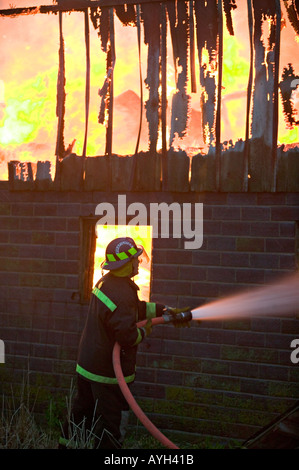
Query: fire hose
column 154, row 431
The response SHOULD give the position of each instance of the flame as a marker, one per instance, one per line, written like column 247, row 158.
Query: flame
column 28, row 80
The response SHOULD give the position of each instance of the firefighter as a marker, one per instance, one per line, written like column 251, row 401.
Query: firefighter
column 99, row 406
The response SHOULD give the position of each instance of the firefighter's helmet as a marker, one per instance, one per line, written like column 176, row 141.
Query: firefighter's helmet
column 119, row 252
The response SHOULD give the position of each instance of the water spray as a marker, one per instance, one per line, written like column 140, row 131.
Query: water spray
column 279, row 298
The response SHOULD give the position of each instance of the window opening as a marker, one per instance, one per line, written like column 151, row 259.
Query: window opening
column 142, row 235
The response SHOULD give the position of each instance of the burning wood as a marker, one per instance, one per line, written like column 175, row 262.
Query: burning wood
column 207, row 30
column 178, row 19
column 288, row 84
column 151, row 16
column 262, row 114
column 60, row 107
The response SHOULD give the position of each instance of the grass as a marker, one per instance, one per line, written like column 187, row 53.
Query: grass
column 20, row 429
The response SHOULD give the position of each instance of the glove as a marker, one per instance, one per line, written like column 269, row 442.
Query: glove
column 147, row 328
column 174, row 316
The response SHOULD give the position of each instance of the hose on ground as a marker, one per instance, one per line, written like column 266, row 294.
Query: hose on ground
column 154, row 431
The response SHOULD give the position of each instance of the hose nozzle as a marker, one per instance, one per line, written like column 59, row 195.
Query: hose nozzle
column 171, row 316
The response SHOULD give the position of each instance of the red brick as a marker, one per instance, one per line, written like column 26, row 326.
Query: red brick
column 73, row 253
column 53, row 252
column 248, row 338
column 72, row 282
column 205, row 289
column 271, row 199
column 205, row 258
column 179, row 257
column 250, row 244
column 45, row 210
column 234, row 259
column 280, row 245
column 268, row 372
column 288, row 262
column 214, row 198
column 69, row 210
column 73, row 224
column 43, row 238
column 165, row 271
column 221, row 243
column 20, row 237
column 4, row 236
column 55, row 223
column 31, row 223
column 9, row 223
column 287, row 229
column 22, row 209
column 67, row 267
column 9, row 279
column 265, row 229
column 242, row 199
column 211, row 227
column 256, row 213
column 235, row 228
column 264, row 260
column 192, row 273
column 285, row 213
column 221, row 274
column 250, row 276
column 172, row 287
column 30, row 251
column 67, row 239
column 206, row 350
column 226, row 213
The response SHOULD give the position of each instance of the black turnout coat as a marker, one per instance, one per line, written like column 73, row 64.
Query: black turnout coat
column 113, row 313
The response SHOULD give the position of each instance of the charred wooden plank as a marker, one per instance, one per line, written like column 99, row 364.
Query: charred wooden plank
column 127, row 14
column 21, row 175
column 178, row 171
column 151, row 16
column 87, row 82
column 71, row 173
column 164, row 94
column 203, row 173
column 207, row 31
column 97, row 173
column 68, row 6
column 192, row 47
column 178, row 19
column 287, row 85
column 262, row 114
column 292, row 8
column 228, row 6
column 219, row 95
column 60, row 102
column 249, row 96
column 43, row 179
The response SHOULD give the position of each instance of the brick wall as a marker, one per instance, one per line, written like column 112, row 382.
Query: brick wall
column 223, row 379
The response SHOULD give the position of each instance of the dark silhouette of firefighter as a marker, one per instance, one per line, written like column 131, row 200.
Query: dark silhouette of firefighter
column 99, row 407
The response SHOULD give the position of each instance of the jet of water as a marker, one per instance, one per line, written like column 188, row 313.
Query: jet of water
column 279, row 298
